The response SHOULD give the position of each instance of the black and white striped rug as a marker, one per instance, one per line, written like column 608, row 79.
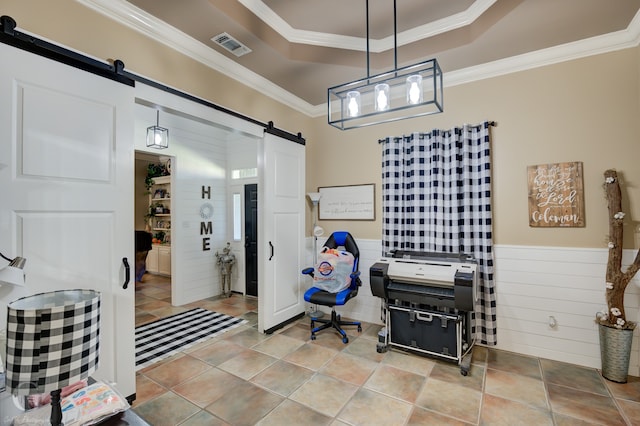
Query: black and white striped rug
column 162, row 338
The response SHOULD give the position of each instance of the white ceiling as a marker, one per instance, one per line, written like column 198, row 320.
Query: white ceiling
column 302, row 47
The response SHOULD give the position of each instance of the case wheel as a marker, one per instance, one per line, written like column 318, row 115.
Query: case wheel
column 381, row 348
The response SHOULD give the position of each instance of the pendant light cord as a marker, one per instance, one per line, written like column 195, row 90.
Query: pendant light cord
column 6, row 258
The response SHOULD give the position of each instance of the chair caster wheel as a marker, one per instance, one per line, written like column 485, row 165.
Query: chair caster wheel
column 313, row 337
column 345, row 340
column 359, row 329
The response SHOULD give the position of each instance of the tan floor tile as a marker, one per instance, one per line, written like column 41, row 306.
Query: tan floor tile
column 514, row 363
column 410, row 362
column 370, row 331
column 326, row 373
column 421, row 417
column 245, row 404
column 349, row 368
column 247, row 364
column 371, row 408
column 292, row 413
column 453, row 400
column 500, row 411
column 562, row 420
column 203, row 418
column 282, row 377
column 154, row 304
column 324, row 394
column 217, row 352
column 583, row 378
column 365, row 348
column 631, row 410
column 516, row 388
column 147, row 389
column 168, row 311
column 207, row 387
column 310, row 356
column 247, row 338
column 449, row 372
column 278, row 345
column 298, row 331
column 145, row 318
column 396, row 383
column 629, row 391
column 583, row 405
column 479, row 354
column 177, row 371
column 167, row 410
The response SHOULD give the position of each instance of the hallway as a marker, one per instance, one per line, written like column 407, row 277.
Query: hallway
column 243, row 377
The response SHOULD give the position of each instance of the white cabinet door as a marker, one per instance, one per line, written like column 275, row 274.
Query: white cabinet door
column 280, row 231
column 152, row 259
column 66, row 191
column 164, row 260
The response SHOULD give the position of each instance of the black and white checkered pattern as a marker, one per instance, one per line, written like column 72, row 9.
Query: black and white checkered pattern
column 160, row 339
column 52, row 340
column 436, row 196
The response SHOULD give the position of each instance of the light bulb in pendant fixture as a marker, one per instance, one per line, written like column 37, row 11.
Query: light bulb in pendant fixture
column 414, row 89
column 353, row 103
column 382, row 97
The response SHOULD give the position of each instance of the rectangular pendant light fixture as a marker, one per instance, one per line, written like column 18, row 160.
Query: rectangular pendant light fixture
column 407, row 92
column 157, row 137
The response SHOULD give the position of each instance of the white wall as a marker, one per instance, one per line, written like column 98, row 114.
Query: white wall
column 532, row 284
column 198, row 137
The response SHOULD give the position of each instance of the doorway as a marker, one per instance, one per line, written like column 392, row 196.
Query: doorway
column 251, row 238
column 152, row 216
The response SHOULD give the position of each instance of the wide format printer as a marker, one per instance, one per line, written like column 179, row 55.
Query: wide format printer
column 429, row 300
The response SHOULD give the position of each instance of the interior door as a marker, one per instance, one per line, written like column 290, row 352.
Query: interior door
column 66, row 185
column 251, row 238
column 280, row 232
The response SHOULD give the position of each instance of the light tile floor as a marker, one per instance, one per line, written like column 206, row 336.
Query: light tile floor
column 244, row 378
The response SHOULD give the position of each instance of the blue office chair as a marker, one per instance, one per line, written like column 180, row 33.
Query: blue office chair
column 318, row 296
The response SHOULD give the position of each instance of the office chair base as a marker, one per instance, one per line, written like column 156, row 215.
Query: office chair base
column 334, row 322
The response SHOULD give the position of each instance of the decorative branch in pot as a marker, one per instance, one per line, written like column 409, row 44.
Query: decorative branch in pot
column 615, row 363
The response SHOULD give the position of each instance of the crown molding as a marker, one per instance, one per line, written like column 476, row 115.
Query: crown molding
column 156, row 29
column 623, row 39
column 138, row 20
column 293, row 35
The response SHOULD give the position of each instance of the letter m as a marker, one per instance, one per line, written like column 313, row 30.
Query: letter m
column 205, row 228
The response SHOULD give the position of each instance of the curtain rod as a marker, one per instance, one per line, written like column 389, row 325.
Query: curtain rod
column 489, row 123
column 116, row 72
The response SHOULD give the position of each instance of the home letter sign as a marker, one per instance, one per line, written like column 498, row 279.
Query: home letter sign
column 206, row 211
column 556, row 195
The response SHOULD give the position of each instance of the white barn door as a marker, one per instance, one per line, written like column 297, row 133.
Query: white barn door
column 280, row 231
column 66, row 191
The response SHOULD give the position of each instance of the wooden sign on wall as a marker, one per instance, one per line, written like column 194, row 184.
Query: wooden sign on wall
column 556, row 195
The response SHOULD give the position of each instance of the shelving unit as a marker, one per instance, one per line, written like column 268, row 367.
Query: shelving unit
column 159, row 258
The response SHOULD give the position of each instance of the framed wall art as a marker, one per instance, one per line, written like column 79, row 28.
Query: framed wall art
column 556, row 195
column 349, row 202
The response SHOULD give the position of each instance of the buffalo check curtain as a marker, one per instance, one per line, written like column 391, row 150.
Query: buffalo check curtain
column 436, row 197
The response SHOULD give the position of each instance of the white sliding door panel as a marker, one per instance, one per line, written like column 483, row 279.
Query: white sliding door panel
column 280, row 231
column 66, row 185
column 60, row 145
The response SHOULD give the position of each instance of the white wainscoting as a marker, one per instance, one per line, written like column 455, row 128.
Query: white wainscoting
column 532, row 284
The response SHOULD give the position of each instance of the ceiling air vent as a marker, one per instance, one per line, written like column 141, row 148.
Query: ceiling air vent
column 231, row 44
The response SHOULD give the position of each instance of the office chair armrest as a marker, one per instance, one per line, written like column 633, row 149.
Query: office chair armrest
column 308, row 271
